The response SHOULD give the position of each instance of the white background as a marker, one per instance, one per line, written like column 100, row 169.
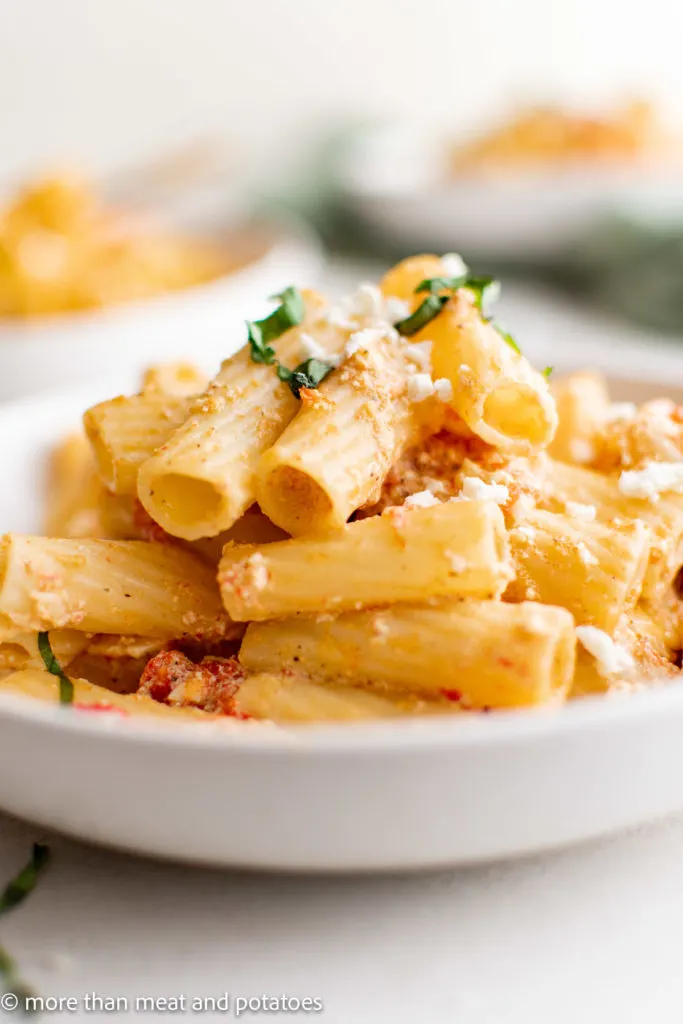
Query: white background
column 105, row 81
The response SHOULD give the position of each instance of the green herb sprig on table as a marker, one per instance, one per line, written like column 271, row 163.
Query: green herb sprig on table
column 66, row 687
column 261, row 333
column 14, row 893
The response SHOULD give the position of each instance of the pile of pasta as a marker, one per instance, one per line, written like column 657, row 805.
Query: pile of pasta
column 63, row 249
column 380, row 509
column 545, row 138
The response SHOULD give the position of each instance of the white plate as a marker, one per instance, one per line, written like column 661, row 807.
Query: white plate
column 381, row 796
column 55, row 352
column 394, row 182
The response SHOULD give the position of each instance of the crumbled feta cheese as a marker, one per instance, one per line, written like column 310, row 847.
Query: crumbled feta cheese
column 396, row 309
column 315, row 351
column 522, row 507
column 422, row 499
column 367, row 300
column 254, row 571
column 363, row 340
column 453, row 264
column 420, row 352
column 420, row 386
column 621, row 411
column 586, row 556
column 610, row 658
column 527, row 532
column 654, row 479
column 577, row 510
column 581, row 450
column 474, row 489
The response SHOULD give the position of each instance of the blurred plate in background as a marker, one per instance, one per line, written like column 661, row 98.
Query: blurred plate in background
column 395, row 182
column 204, row 322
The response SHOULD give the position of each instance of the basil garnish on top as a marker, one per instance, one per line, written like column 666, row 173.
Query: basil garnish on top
column 66, row 687
column 441, row 289
column 308, row 374
column 261, row 333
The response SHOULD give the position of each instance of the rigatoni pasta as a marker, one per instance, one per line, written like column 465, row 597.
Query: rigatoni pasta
column 456, row 549
column 106, row 586
column 370, row 512
column 508, row 655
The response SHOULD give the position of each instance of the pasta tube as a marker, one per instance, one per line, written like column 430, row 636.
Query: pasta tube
column 574, row 484
column 335, row 454
column 101, row 586
column 73, row 491
column 501, row 398
column 489, row 654
column 44, row 686
column 124, row 432
column 22, row 650
column 283, row 697
column 593, row 570
column 457, row 549
column 582, row 402
column 201, row 481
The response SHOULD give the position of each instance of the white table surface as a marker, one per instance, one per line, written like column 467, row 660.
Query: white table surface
column 592, row 934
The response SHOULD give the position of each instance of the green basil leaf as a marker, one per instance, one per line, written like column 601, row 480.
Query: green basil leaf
column 423, row 315
column 436, row 285
column 261, row 333
column 66, row 687
column 547, row 371
column 308, row 374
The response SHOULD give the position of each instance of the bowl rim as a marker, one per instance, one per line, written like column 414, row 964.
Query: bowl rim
column 284, row 235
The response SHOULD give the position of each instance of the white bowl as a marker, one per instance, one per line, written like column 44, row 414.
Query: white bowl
column 394, row 182
column 199, row 323
column 394, row 795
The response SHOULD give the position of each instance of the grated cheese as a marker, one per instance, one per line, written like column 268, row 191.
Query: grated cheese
column 474, row 489
column 443, row 389
column 420, row 387
column 653, row 479
column 611, row 659
column 453, row 264
column 422, row 499
column 577, row 510
column 315, row 351
column 420, row 352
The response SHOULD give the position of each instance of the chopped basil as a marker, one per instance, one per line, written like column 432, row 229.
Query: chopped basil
column 15, row 893
column 485, row 289
column 308, row 374
column 261, row 332
column 423, row 315
column 18, row 889
column 548, row 370
column 66, row 687
column 435, row 285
